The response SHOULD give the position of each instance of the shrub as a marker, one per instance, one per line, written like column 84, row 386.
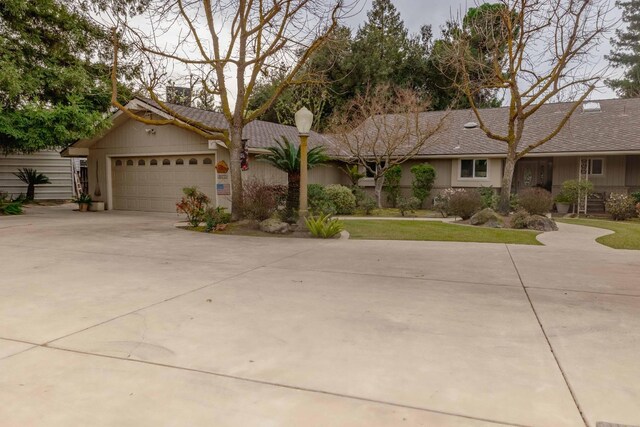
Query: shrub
column 261, row 200
column 194, row 204
column 214, row 218
column 620, row 206
column 520, row 219
column 368, row 204
column 441, row 201
column 354, row 174
column 423, row 177
column 636, row 196
column 408, row 204
column 489, row 198
column 359, row 193
column 562, row 198
column 573, row 189
column 392, row 178
column 464, row 203
column 83, row 198
column 535, row 200
column 342, row 198
column 324, row 226
column 10, row 208
column 638, row 208
column 319, row 202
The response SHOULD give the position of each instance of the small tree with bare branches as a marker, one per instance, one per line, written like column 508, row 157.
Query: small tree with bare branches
column 225, row 46
column 536, row 52
column 382, row 128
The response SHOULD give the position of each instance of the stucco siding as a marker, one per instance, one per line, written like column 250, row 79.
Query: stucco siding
column 50, row 163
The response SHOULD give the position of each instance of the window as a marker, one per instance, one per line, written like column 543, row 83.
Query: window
column 140, row 162
column 474, row 168
column 153, row 162
column 179, row 162
column 207, row 161
column 596, row 166
column 193, row 162
column 129, row 162
column 166, row 162
column 372, row 165
column 118, row 162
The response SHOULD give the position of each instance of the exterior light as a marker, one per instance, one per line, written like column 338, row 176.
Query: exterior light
column 304, row 120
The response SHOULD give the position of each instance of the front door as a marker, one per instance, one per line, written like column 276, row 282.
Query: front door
column 533, row 173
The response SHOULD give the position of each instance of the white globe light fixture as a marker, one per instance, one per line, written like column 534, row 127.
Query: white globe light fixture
column 304, row 120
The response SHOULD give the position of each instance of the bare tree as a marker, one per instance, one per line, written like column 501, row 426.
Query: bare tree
column 536, row 52
column 227, row 46
column 382, row 128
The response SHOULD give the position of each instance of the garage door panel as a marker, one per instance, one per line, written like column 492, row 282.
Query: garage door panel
column 157, row 188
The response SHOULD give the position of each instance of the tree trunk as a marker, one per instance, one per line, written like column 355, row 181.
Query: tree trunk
column 379, row 183
column 504, row 206
column 31, row 191
column 236, row 173
column 293, row 195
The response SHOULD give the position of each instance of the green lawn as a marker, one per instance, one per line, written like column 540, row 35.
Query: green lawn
column 435, row 231
column 626, row 236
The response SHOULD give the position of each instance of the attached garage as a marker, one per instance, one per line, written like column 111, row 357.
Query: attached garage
column 155, row 183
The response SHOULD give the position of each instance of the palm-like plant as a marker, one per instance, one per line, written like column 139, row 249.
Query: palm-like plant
column 31, row 177
column 286, row 157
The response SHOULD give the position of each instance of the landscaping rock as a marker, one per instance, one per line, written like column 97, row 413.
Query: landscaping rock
column 541, row 223
column 492, row 223
column 570, row 215
column 274, row 226
column 487, row 217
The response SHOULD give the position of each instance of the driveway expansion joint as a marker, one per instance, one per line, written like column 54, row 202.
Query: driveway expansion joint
column 288, row 386
column 546, row 337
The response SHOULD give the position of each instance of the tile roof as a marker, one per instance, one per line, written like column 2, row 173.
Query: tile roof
column 616, row 127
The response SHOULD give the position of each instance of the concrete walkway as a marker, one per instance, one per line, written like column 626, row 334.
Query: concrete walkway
column 120, row 319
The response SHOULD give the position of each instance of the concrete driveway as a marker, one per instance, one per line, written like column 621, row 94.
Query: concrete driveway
column 119, row 319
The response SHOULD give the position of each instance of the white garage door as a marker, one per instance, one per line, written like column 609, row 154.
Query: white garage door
column 154, row 184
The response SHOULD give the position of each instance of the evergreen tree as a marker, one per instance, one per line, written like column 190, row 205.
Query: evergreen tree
column 54, row 84
column 626, row 51
column 381, row 46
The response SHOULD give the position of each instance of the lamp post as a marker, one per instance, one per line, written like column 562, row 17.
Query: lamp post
column 304, row 120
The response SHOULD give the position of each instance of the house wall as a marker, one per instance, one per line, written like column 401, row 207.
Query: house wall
column 494, row 178
column 632, row 176
column 50, row 163
column 614, row 179
column 131, row 139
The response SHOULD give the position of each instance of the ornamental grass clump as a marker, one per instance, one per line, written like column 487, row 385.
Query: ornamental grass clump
column 323, row 226
column 620, row 206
